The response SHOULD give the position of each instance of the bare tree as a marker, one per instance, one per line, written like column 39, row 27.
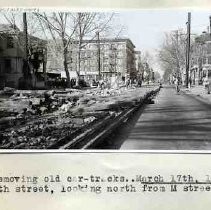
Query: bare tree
column 15, row 20
column 61, row 28
column 64, row 29
column 68, row 28
column 172, row 53
column 25, row 40
column 157, row 76
column 146, row 64
column 87, row 26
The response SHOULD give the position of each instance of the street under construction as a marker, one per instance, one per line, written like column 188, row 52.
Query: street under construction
column 71, row 119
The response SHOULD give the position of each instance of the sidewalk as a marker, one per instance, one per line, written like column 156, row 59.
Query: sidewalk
column 199, row 92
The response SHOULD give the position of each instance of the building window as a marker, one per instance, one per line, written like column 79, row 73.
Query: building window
column 10, row 42
column 106, row 53
column 204, row 60
column 88, row 54
column 208, row 48
column 113, row 47
column 105, row 61
column 209, row 60
column 119, row 61
column 120, row 53
column 82, row 63
column 105, row 68
column 8, row 66
column 83, row 54
column 199, row 61
column 92, row 62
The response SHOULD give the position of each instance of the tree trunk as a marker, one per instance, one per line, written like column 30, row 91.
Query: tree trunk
column 66, row 66
column 65, row 51
column 44, row 67
column 79, row 64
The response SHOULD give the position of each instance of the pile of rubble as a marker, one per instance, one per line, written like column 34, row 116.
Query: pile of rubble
column 36, row 119
column 42, row 132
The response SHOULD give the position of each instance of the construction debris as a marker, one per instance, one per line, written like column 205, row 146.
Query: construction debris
column 38, row 119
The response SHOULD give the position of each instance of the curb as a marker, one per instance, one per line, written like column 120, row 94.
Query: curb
column 197, row 97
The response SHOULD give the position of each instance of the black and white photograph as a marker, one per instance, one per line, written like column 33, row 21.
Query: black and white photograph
column 113, row 80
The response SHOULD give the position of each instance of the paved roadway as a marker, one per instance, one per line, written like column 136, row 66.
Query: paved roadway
column 174, row 121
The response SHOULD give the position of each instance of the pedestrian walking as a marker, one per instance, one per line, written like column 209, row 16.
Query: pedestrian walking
column 207, row 85
column 128, row 83
column 177, row 83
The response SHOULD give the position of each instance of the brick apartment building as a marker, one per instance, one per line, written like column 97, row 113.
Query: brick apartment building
column 118, row 60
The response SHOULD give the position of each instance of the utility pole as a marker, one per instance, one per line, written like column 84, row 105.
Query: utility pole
column 26, row 68
column 188, row 49
column 98, row 54
column 25, row 36
column 44, row 65
column 210, row 25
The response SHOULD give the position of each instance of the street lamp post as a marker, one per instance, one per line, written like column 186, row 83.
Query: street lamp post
column 25, row 36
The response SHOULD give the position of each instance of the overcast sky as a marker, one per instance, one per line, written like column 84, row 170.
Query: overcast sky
column 146, row 28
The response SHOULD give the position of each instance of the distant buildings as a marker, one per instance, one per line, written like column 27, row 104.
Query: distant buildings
column 112, row 59
column 138, row 65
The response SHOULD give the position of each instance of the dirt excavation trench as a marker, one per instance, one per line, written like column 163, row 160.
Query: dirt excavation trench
column 51, row 119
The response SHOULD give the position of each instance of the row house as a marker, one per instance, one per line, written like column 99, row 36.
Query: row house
column 201, row 59
column 12, row 57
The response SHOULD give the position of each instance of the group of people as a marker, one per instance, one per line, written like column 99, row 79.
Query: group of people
column 178, row 82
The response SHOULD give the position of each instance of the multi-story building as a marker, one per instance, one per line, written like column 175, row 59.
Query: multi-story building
column 201, row 58
column 138, row 65
column 54, row 56
column 12, row 55
column 111, row 59
column 11, row 64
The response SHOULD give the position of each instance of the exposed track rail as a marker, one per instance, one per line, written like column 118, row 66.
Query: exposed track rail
column 97, row 132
